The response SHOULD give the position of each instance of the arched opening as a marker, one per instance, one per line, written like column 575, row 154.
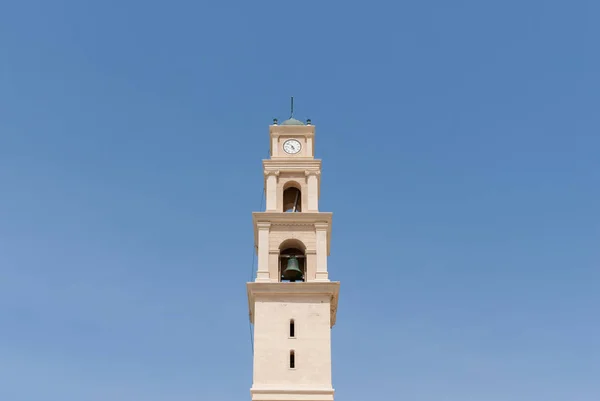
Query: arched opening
column 292, row 261
column 292, row 197
column 292, row 329
column 292, row 359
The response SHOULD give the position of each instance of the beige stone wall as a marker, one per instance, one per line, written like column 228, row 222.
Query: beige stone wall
column 312, row 342
column 304, row 233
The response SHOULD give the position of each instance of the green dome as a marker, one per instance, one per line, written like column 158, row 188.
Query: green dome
column 292, row 121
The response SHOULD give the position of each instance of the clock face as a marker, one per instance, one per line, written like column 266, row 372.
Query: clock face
column 292, row 146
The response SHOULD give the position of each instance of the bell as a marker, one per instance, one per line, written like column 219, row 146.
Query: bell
column 292, row 272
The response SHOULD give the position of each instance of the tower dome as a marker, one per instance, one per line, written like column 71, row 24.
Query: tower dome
column 292, row 121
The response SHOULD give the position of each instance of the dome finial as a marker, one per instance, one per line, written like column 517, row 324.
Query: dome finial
column 292, row 120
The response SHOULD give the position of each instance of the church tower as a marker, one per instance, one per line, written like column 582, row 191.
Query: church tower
column 292, row 302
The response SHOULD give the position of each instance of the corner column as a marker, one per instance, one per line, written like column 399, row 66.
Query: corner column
column 271, row 190
column 313, row 190
column 274, row 147
column 321, row 231
column 262, row 275
column 311, row 265
column 309, row 146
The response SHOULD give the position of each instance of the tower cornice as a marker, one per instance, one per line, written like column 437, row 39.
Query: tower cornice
column 308, row 289
column 277, row 130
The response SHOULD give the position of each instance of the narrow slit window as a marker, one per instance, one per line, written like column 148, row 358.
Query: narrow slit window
column 292, row 329
column 292, row 360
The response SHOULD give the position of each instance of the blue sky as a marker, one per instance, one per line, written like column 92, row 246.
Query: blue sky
column 460, row 145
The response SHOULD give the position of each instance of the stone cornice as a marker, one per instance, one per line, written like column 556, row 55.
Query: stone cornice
column 279, row 130
column 301, row 162
column 303, row 289
column 299, row 226
column 323, row 219
column 295, row 164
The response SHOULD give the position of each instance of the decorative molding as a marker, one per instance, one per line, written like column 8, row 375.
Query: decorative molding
column 297, row 163
column 272, row 172
column 263, row 225
column 321, row 226
column 308, row 226
column 300, row 217
column 313, row 172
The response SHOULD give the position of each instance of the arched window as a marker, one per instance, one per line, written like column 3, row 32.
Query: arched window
column 292, row 359
column 292, row 197
column 292, row 329
column 292, row 261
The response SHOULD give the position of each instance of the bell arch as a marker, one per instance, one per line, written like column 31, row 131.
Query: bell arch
column 292, row 197
column 292, row 261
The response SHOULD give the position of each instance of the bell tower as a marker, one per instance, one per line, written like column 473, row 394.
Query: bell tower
column 292, row 302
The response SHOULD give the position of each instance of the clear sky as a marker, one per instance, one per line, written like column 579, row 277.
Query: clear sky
column 460, row 146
